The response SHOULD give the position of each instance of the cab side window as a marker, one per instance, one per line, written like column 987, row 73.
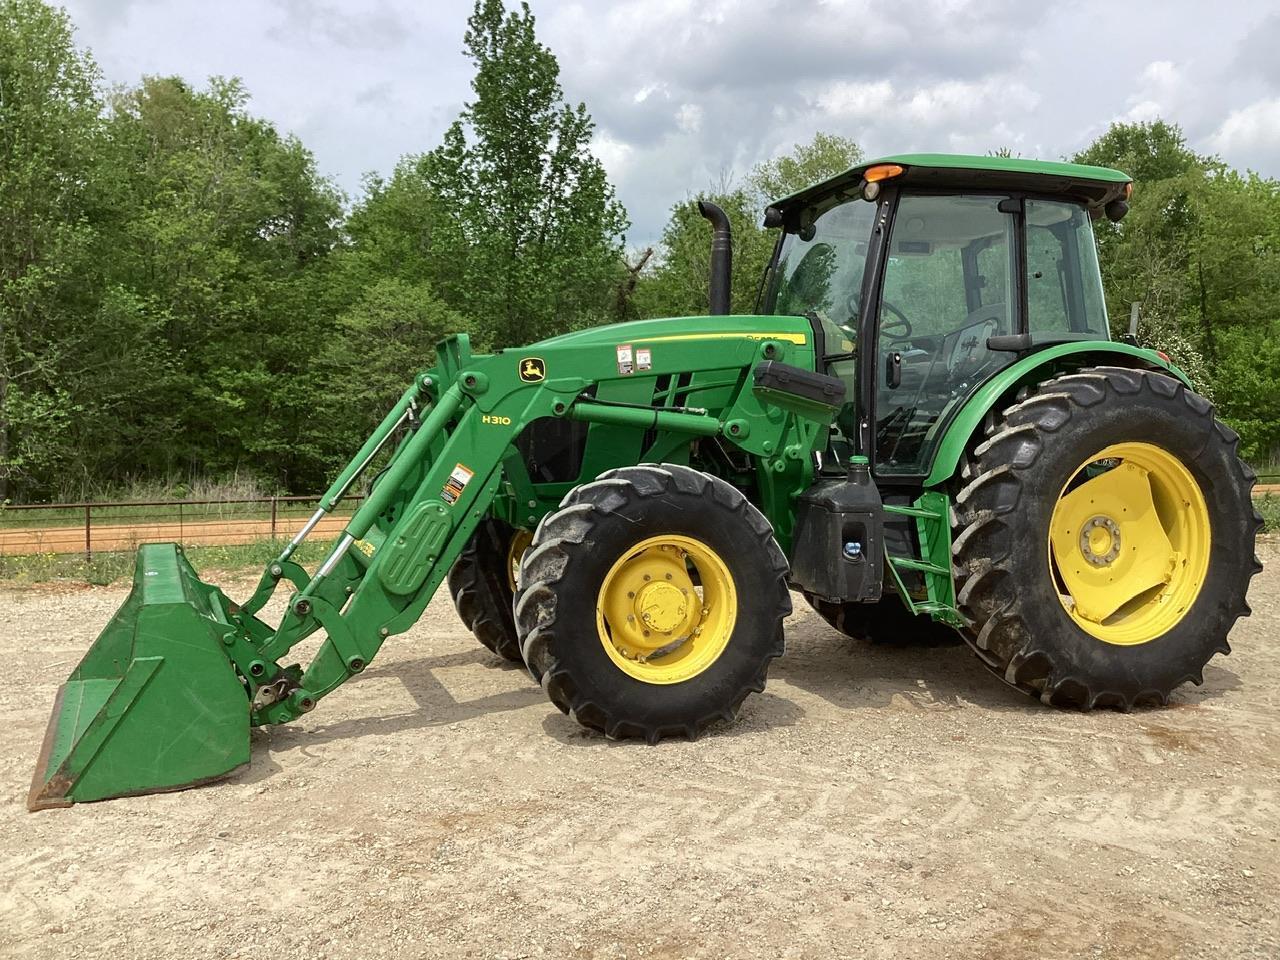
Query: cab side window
column 1064, row 285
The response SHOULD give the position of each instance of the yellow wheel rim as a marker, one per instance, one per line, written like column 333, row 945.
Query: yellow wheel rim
column 1129, row 543
column 658, row 624
column 520, row 541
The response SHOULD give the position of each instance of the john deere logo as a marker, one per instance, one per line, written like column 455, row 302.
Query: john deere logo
column 532, row 369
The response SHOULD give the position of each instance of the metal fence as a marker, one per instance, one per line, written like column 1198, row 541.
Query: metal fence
column 65, row 528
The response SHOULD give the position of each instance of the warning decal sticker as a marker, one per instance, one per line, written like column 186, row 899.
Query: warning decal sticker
column 625, row 363
column 456, row 483
column 644, row 358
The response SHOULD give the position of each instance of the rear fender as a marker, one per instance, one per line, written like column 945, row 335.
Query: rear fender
column 1035, row 368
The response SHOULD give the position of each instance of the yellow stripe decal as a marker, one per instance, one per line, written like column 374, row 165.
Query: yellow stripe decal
column 796, row 338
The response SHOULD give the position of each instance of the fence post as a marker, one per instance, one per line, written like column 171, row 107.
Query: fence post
column 181, row 537
column 88, row 542
column 273, row 518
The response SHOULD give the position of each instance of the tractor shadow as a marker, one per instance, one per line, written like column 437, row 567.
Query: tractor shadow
column 849, row 675
column 435, row 706
column 762, row 711
column 856, row 675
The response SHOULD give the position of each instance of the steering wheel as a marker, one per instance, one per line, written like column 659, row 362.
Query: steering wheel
column 898, row 328
column 968, row 351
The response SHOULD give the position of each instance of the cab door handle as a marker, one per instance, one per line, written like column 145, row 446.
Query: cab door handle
column 893, row 370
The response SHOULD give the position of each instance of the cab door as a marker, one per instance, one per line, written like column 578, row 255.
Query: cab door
column 948, row 285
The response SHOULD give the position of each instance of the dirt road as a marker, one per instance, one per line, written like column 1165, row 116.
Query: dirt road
column 877, row 803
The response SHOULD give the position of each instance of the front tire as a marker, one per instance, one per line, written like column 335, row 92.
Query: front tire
column 1104, row 546
column 482, row 585
column 652, row 601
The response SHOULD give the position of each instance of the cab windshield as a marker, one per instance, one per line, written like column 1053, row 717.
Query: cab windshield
column 822, row 275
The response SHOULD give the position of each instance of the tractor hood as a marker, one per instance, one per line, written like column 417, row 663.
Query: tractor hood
column 794, row 330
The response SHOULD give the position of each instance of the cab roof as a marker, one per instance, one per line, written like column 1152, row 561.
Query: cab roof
column 1093, row 186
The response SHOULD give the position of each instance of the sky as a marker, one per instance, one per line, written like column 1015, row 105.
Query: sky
column 686, row 94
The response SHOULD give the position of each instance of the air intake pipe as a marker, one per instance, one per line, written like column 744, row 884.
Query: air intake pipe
column 721, row 257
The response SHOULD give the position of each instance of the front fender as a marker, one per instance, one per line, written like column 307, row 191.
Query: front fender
column 1030, row 369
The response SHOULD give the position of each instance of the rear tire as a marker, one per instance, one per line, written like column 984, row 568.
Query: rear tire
column 580, row 572
column 480, row 583
column 1026, row 622
column 887, row 622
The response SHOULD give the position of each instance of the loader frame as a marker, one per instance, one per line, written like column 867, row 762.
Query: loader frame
column 457, row 463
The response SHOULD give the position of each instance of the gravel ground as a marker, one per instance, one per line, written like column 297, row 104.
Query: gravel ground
column 873, row 803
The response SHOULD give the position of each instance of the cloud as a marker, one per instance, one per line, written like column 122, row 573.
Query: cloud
column 855, row 99
column 1252, row 134
column 614, row 154
column 689, row 118
column 1161, row 87
column 703, row 91
column 1257, row 53
column 687, row 93
column 375, row 28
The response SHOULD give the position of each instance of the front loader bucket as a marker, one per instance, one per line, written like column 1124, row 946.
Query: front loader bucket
column 155, row 704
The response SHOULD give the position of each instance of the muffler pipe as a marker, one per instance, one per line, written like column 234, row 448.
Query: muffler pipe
column 721, row 257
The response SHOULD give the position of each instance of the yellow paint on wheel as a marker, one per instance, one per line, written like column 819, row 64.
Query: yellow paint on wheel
column 520, row 541
column 1129, row 543
column 666, row 609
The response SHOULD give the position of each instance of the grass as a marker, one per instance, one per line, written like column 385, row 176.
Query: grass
column 1267, row 468
column 1269, row 507
column 174, row 486
column 105, row 568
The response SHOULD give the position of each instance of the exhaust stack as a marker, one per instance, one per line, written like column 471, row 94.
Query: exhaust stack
column 721, row 257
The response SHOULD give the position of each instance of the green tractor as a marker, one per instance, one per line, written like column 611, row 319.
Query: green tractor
column 926, row 426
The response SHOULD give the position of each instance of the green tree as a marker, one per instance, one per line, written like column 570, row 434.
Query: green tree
column 1145, row 256
column 825, row 156
column 391, row 231
column 387, row 334
column 1148, row 152
column 217, row 231
column 1200, row 252
column 527, row 240
column 49, row 125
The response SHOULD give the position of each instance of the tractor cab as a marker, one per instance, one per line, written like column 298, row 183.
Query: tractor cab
column 927, row 275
